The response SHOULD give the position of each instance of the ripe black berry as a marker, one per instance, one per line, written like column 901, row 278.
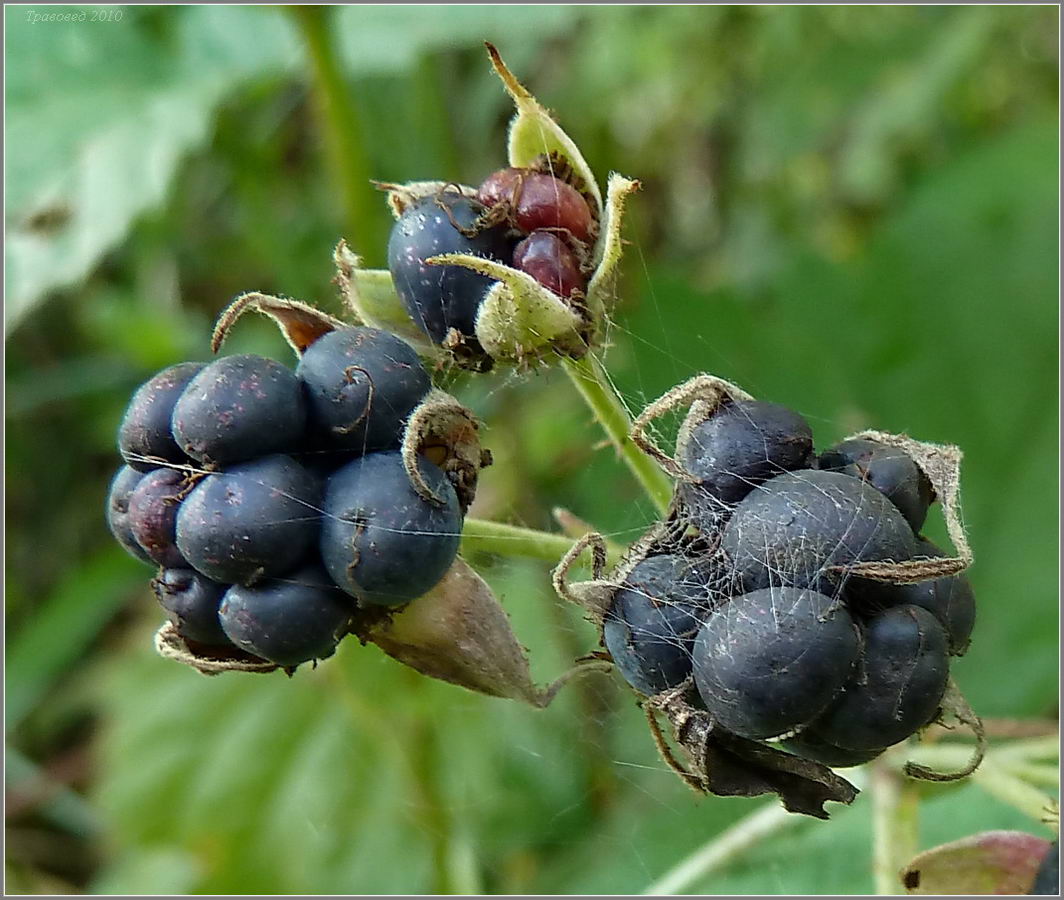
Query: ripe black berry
column 361, row 385
column 1047, row 879
column 889, row 470
column 439, row 298
column 897, row 686
column 651, row 622
column 549, row 260
column 144, row 437
column 793, row 527
column 153, row 507
column 770, row 661
column 122, row 486
column 743, row 444
column 808, row 746
column 192, row 601
column 239, row 408
column 381, row 541
column 288, row 620
column 949, row 599
column 253, row 519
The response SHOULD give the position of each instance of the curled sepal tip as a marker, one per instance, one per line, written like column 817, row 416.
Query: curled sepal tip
column 207, row 660
column 459, row 633
column 954, row 709
column 702, row 394
column 300, row 323
column 446, row 433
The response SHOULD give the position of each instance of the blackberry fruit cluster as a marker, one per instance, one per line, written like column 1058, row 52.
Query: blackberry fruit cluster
column 533, row 219
column 789, row 595
column 276, row 504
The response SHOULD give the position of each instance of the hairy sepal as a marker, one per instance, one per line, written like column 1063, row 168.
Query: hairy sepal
column 534, row 134
column 300, row 323
column 207, row 660
column 520, row 320
column 445, row 432
column 369, row 296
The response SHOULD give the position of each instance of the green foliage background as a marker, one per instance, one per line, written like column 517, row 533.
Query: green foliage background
column 850, row 210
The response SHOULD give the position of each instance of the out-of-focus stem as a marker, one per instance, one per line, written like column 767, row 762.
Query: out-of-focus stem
column 364, row 212
column 748, row 832
column 591, row 380
column 895, row 825
column 995, row 779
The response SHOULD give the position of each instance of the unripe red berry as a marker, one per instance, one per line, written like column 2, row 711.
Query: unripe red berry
column 551, row 261
column 500, row 185
column 538, row 200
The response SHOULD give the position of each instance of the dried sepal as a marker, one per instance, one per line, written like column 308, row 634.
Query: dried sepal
column 207, row 660
column 401, row 196
column 446, row 433
column 459, row 633
column 535, row 134
column 370, row 298
column 592, row 596
column 941, row 464
column 954, row 708
column 520, row 320
column 595, row 595
column 300, row 323
column 726, row 765
column 703, row 394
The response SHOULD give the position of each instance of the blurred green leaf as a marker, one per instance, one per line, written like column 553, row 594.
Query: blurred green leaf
column 166, row 871
column 64, row 626
column 99, row 115
column 385, row 38
column 57, row 802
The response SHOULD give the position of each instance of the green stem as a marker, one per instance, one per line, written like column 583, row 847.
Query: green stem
column 895, row 824
column 1019, row 794
column 591, row 380
column 362, row 207
column 731, row 843
column 483, row 536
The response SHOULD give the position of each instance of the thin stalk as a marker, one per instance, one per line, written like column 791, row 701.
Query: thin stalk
column 363, row 209
column 591, row 380
column 1038, row 774
column 1016, row 792
column 731, row 843
column 483, row 536
column 596, row 695
column 895, row 826
column 1031, row 749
